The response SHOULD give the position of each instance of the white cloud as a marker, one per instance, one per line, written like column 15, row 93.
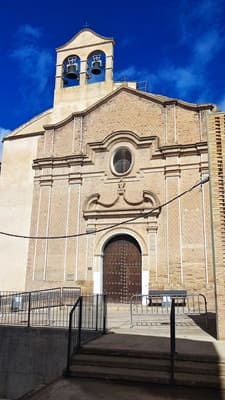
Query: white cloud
column 138, row 75
column 183, row 78
column 207, row 46
column 197, row 17
column 202, row 36
column 128, row 40
column 126, row 74
column 28, row 30
column 3, row 133
column 35, row 64
column 221, row 104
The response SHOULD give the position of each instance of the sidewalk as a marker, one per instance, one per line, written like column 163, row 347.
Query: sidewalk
column 86, row 389
column 193, row 343
column 153, row 335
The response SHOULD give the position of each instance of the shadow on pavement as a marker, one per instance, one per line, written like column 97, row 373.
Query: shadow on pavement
column 210, row 326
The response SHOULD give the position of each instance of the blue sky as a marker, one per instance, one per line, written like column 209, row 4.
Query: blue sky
column 177, row 46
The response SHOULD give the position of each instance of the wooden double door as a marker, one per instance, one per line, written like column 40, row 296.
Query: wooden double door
column 122, row 269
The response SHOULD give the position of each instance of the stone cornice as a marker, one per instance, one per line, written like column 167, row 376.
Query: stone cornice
column 46, row 180
column 25, row 135
column 118, row 213
column 180, row 150
column 59, row 162
column 172, row 170
column 118, row 136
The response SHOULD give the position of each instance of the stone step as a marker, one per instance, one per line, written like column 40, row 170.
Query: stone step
column 132, row 352
column 145, row 376
column 201, row 380
column 134, row 366
column 200, row 367
column 121, row 362
column 119, row 374
column 148, row 362
column 122, row 352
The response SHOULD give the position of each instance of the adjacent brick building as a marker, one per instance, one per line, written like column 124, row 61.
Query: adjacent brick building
column 216, row 142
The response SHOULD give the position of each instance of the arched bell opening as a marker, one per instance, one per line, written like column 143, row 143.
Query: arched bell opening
column 71, row 71
column 96, row 67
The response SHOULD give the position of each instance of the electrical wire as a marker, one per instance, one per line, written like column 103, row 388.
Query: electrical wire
column 143, row 215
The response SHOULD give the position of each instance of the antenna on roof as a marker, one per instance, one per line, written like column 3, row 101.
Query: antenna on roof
column 143, row 86
column 86, row 25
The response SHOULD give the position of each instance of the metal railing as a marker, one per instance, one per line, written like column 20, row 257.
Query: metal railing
column 145, row 309
column 38, row 308
column 172, row 342
column 87, row 320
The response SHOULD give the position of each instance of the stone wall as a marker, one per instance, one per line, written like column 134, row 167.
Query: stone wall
column 30, row 357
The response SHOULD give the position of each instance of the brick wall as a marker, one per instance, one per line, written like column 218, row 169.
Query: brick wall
column 216, row 134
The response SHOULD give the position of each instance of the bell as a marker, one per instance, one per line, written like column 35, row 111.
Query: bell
column 71, row 71
column 95, row 67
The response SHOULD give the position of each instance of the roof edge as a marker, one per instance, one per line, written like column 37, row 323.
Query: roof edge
column 15, row 132
column 85, row 30
column 150, row 96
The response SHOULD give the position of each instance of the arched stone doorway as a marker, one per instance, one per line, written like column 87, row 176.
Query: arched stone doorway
column 121, row 269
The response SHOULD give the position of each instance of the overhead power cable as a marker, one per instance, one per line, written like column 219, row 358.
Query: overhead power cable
column 143, row 215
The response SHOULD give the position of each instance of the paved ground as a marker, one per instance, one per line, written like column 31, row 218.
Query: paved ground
column 190, row 348
column 154, row 332
column 198, row 328
column 150, row 335
column 82, row 389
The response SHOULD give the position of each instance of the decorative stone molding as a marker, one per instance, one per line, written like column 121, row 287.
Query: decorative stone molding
column 172, row 170
column 75, row 179
column 46, row 180
column 180, row 150
column 59, row 162
column 122, row 136
column 152, row 225
column 121, row 206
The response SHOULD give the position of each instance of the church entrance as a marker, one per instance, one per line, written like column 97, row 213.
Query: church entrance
column 121, row 269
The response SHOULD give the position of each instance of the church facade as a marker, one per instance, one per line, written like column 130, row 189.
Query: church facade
column 88, row 184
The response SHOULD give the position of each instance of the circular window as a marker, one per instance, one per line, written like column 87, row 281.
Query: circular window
column 122, row 160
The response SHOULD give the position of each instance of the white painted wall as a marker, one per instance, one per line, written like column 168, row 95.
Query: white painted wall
column 16, row 192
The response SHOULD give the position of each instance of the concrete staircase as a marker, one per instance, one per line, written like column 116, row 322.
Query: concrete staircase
column 146, row 367
column 119, row 366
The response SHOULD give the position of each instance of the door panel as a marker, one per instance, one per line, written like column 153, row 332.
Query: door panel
column 122, row 269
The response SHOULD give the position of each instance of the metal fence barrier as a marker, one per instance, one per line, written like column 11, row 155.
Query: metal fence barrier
column 49, row 307
column 145, row 309
column 87, row 320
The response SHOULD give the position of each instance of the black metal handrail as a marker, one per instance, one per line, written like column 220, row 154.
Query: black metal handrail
column 147, row 306
column 87, row 320
column 78, row 302
column 172, row 342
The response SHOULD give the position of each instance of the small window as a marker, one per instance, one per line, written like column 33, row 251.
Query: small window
column 122, row 160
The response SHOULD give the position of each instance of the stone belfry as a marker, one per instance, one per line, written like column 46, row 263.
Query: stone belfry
column 84, row 71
